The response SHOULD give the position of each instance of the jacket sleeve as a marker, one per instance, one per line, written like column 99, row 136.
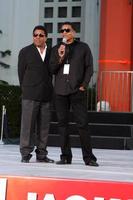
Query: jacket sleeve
column 88, row 62
column 21, row 66
column 54, row 64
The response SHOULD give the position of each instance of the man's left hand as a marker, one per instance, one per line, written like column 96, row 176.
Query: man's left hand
column 81, row 88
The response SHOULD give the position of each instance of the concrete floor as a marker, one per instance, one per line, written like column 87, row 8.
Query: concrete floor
column 115, row 165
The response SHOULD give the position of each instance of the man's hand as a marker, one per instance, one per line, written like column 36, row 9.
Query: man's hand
column 61, row 51
column 81, row 88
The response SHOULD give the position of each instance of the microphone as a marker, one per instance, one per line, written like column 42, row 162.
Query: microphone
column 64, row 40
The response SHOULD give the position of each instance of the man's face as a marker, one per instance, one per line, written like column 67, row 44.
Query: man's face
column 67, row 32
column 39, row 38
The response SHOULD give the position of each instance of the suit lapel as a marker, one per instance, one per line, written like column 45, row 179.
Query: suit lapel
column 38, row 54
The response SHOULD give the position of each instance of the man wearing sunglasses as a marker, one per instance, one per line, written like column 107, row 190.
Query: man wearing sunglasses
column 72, row 63
column 36, row 85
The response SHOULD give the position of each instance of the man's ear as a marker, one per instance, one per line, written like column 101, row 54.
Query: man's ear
column 74, row 33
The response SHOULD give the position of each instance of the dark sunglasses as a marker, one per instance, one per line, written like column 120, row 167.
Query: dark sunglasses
column 40, row 35
column 67, row 30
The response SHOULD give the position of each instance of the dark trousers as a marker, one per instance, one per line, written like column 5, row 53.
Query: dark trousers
column 35, row 123
column 63, row 104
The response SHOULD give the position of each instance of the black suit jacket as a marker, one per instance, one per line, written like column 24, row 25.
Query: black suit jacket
column 80, row 58
column 34, row 76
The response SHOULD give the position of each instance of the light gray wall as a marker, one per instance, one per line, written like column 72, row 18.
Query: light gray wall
column 17, row 20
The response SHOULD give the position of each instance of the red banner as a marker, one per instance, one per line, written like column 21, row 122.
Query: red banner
column 35, row 188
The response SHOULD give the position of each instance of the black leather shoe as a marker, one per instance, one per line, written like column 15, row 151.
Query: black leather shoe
column 25, row 159
column 64, row 161
column 92, row 163
column 45, row 159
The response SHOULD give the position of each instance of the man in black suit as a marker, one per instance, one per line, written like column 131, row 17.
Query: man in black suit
column 72, row 63
column 36, row 85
